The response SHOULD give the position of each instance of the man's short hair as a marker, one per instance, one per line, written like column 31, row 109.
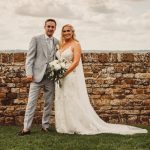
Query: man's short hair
column 52, row 20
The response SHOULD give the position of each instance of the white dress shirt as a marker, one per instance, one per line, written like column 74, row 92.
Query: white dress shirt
column 49, row 41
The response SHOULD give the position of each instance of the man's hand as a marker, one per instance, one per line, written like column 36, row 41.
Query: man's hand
column 29, row 78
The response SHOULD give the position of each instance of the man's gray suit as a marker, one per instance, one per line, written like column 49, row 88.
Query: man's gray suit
column 39, row 54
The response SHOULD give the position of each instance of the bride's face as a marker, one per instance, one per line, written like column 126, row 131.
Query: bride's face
column 67, row 33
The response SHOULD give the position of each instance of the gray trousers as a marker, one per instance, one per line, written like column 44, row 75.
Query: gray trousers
column 49, row 90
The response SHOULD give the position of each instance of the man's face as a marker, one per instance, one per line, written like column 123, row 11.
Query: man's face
column 50, row 28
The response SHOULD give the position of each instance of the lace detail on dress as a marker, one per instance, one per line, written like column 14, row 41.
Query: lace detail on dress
column 67, row 55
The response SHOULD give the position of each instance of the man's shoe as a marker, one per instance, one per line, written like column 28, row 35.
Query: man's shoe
column 45, row 129
column 22, row 133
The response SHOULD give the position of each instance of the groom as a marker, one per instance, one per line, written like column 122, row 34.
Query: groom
column 42, row 50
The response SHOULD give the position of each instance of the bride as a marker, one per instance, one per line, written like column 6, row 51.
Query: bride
column 73, row 111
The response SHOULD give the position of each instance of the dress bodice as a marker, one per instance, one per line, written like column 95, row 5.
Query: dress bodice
column 67, row 54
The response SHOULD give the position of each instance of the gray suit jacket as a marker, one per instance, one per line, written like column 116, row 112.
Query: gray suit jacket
column 37, row 57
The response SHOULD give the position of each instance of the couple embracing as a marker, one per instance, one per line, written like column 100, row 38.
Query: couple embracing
column 73, row 111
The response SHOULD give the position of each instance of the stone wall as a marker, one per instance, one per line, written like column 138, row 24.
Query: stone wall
column 118, row 84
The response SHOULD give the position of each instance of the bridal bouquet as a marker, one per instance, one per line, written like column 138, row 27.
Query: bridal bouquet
column 56, row 70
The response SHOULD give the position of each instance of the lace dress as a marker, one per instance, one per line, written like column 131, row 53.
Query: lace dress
column 73, row 111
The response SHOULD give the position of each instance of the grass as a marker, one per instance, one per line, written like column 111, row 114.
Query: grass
column 55, row 141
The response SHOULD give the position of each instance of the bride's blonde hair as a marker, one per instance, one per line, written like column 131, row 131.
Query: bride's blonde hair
column 62, row 41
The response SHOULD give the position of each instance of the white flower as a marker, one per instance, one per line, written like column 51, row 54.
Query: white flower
column 63, row 65
column 56, row 62
column 57, row 67
column 53, row 63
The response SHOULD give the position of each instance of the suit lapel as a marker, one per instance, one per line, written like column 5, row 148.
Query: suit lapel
column 44, row 45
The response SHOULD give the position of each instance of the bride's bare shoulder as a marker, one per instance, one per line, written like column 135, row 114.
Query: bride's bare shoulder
column 76, row 44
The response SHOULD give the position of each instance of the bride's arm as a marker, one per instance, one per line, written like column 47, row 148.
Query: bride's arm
column 76, row 58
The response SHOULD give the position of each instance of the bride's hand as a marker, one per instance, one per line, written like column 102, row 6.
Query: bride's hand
column 65, row 74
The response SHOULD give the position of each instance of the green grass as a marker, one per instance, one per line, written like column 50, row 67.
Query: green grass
column 55, row 141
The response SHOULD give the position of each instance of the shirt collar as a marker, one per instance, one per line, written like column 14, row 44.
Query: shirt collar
column 46, row 37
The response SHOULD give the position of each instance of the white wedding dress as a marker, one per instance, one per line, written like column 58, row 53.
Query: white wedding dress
column 73, row 111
